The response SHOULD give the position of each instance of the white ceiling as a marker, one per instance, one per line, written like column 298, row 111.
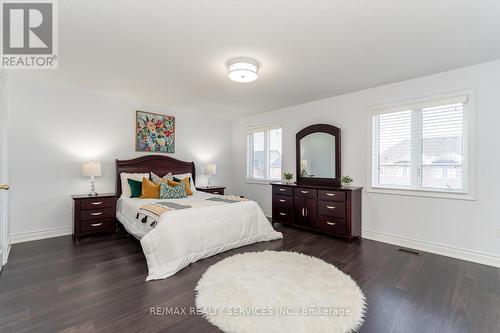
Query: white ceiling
column 173, row 53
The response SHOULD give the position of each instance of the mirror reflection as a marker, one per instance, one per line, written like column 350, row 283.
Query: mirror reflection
column 317, row 156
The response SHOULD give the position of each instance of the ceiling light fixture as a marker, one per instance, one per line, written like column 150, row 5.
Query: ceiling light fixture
column 243, row 69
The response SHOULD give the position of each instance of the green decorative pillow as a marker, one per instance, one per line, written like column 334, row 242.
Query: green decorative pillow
column 172, row 192
column 135, row 188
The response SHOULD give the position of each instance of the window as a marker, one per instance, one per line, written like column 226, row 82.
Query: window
column 264, row 154
column 423, row 147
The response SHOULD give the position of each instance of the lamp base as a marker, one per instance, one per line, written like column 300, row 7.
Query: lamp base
column 94, row 194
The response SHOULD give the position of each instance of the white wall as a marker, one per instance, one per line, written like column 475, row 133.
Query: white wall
column 53, row 129
column 465, row 229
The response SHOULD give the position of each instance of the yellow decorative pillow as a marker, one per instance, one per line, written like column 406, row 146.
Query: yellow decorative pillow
column 186, row 183
column 149, row 189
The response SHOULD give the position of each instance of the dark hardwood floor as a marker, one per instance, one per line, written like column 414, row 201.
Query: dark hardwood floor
column 97, row 285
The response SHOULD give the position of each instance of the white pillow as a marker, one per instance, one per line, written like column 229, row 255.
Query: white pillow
column 191, row 181
column 125, row 186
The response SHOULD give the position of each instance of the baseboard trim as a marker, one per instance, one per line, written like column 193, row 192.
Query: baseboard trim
column 448, row 251
column 40, row 234
column 268, row 213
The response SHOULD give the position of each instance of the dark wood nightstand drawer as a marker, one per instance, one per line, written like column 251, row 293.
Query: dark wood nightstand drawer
column 97, row 203
column 97, row 214
column 98, row 225
column 93, row 214
column 213, row 190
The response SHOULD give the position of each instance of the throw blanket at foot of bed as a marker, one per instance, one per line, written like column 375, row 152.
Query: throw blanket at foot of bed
column 183, row 236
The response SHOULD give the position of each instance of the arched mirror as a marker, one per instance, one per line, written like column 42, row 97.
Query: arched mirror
column 318, row 155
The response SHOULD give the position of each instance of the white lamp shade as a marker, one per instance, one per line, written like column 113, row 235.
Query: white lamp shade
column 210, row 169
column 91, row 169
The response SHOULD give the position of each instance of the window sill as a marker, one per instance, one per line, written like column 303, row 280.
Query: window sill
column 422, row 193
column 260, row 182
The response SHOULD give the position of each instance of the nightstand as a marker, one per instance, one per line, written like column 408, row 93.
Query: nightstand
column 212, row 189
column 93, row 214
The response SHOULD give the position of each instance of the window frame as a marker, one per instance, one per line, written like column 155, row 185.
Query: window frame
column 249, row 147
column 469, row 162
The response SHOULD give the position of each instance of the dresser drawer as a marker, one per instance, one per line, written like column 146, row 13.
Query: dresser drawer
column 331, row 195
column 332, row 225
column 97, row 203
column 305, row 192
column 282, row 215
column 97, row 225
column 332, row 208
column 282, row 201
column 97, row 214
column 282, row 190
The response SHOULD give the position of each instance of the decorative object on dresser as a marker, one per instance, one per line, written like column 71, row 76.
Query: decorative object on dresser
column 155, row 132
column 317, row 201
column 212, row 189
column 210, row 171
column 93, row 215
column 92, row 169
column 287, row 177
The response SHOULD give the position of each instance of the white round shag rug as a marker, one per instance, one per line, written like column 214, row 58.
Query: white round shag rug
column 279, row 292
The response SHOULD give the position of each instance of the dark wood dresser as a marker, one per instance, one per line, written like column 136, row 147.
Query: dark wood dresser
column 333, row 210
column 93, row 214
column 212, row 189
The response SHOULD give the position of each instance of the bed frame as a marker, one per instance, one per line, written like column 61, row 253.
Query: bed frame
column 159, row 164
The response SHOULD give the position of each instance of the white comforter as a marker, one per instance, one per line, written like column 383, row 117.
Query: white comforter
column 187, row 235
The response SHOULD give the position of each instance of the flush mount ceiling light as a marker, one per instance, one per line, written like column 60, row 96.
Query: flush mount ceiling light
column 243, row 69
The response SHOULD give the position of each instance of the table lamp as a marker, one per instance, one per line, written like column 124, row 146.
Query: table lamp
column 92, row 169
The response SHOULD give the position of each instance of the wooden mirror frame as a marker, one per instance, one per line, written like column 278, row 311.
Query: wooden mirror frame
column 321, row 128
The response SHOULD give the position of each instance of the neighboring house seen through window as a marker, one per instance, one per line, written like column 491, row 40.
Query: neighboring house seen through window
column 264, row 154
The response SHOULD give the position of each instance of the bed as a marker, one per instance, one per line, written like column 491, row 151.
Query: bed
column 209, row 226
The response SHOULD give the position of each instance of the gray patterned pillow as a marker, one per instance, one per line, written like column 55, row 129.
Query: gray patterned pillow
column 157, row 179
column 172, row 192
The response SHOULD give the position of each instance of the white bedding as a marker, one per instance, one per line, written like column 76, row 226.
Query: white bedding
column 187, row 235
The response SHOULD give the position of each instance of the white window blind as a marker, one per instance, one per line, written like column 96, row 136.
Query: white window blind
column 421, row 146
column 264, row 154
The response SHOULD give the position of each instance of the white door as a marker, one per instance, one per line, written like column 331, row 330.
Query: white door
column 3, row 172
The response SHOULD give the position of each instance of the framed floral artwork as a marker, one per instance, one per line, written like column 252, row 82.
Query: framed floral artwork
column 155, row 132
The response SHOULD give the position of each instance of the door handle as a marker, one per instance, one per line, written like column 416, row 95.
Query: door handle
column 331, row 223
column 4, row 187
column 303, row 211
column 306, row 212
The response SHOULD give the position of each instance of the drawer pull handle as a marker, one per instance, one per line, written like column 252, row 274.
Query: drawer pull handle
column 283, row 214
column 96, row 214
column 96, row 224
column 282, row 189
column 330, row 207
column 305, row 192
column 331, row 223
column 330, row 194
column 215, row 192
column 96, row 203
column 282, row 200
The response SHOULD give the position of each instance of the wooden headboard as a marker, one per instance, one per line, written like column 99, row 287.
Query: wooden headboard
column 159, row 164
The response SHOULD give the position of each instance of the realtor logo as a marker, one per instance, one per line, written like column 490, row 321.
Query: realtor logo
column 29, row 35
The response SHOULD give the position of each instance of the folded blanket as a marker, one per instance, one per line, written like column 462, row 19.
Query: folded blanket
column 154, row 210
column 151, row 212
